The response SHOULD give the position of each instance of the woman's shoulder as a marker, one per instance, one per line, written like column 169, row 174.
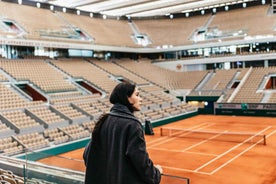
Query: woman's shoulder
column 124, row 116
column 127, row 120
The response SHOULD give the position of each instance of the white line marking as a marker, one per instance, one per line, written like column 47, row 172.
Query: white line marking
column 201, row 142
column 166, row 139
column 211, row 161
column 214, row 171
column 200, row 153
column 186, row 170
column 190, row 152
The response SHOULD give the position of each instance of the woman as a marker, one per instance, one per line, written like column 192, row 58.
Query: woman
column 118, row 150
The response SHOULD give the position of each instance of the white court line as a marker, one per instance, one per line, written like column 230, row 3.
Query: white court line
column 217, row 169
column 201, row 142
column 185, row 170
column 211, row 161
column 191, row 128
column 190, row 152
column 200, row 153
column 166, row 139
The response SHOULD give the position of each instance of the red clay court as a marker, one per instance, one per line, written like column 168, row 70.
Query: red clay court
column 209, row 160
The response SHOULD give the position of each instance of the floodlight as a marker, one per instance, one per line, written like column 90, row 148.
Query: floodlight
column 214, row 10
column 52, row 8
column 226, row 8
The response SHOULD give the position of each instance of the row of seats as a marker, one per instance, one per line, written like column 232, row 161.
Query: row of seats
column 116, row 70
column 3, row 78
column 79, row 98
column 3, row 127
column 217, row 84
column 69, row 111
column 118, row 33
column 20, row 119
column 46, row 115
column 7, row 177
column 249, row 89
column 167, row 79
column 39, row 72
column 82, row 69
column 9, row 146
column 75, row 132
column 33, row 141
column 10, row 100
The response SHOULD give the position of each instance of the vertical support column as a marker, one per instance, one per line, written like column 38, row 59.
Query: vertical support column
column 243, row 64
column 8, row 51
column 265, row 63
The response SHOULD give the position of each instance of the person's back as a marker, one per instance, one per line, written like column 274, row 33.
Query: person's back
column 118, row 151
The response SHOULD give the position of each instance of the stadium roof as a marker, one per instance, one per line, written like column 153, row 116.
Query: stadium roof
column 142, row 8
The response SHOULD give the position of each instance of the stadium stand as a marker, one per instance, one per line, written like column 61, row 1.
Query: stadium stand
column 91, row 73
column 235, row 20
column 176, row 31
column 39, row 73
column 166, row 79
column 11, row 99
column 249, row 90
column 3, row 78
column 55, row 135
column 107, row 32
column 55, row 100
column 117, row 71
column 31, row 21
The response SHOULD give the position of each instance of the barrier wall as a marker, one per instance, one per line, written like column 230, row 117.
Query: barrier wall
column 245, row 109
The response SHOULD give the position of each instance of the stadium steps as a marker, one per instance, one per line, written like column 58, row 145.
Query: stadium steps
column 244, row 79
column 70, row 79
column 208, row 76
column 139, row 75
column 266, row 97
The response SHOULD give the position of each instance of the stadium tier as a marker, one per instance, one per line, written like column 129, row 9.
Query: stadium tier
column 57, row 70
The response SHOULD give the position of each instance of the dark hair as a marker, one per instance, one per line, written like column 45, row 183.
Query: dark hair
column 120, row 94
column 98, row 125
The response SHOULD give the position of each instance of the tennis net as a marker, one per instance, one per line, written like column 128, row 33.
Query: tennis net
column 225, row 136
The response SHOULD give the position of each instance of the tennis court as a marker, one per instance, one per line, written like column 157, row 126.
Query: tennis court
column 212, row 149
column 218, row 149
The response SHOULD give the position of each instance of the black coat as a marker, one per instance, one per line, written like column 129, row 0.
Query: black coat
column 120, row 156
